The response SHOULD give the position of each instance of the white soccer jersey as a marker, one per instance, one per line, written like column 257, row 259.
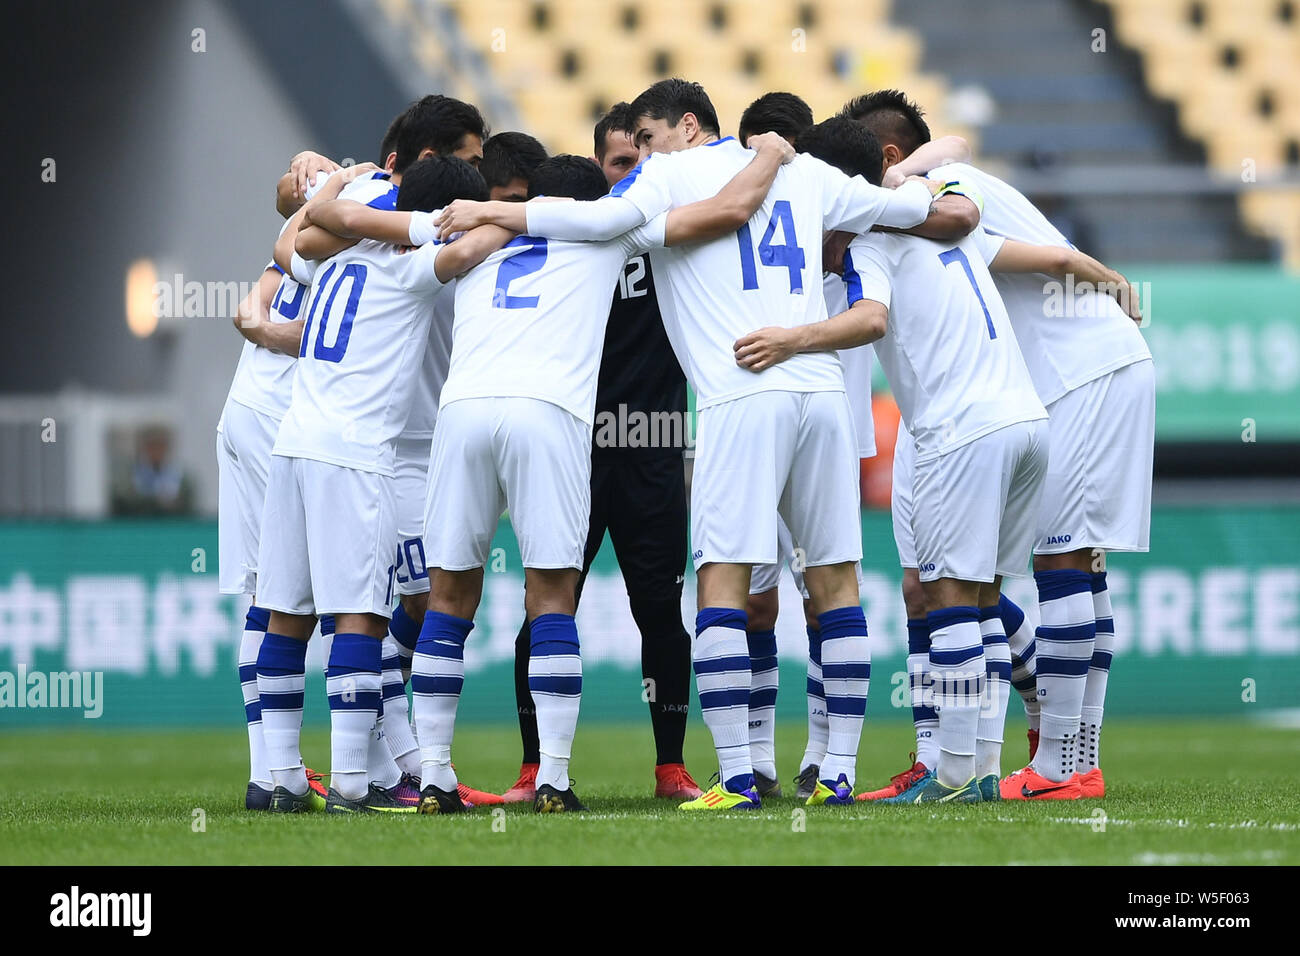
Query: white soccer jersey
column 764, row 274
column 857, row 371
column 949, row 351
column 1066, row 341
column 368, row 321
column 433, row 369
column 264, row 379
column 530, row 319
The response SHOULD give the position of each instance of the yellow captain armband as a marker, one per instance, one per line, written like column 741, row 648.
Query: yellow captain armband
column 958, row 188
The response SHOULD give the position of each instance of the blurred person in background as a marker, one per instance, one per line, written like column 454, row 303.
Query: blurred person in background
column 155, row 484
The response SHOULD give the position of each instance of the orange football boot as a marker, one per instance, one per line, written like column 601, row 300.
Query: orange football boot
column 1092, row 784
column 525, row 788
column 1029, row 784
column 898, row 783
column 316, row 783
column 674, row 782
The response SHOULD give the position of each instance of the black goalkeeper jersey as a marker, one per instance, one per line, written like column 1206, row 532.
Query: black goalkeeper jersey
column 640, row 379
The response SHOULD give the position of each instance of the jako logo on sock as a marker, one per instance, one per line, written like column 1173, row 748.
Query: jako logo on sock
column 73, row 909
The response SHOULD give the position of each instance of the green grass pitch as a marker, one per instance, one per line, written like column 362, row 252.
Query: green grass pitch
column 1180, row 793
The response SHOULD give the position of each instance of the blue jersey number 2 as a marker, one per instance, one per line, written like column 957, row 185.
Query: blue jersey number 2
column 788, row 255
column 354, row 271
column 516, row 267
column 956, row 255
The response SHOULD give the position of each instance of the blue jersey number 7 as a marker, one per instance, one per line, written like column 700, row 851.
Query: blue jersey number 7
column 956, row 255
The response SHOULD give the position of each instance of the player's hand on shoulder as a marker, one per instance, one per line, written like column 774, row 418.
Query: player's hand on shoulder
column 460, row 215
column 305, row 167
column 760, row 142
column 931, row 184
column 834, row 245
column 893, row 178
column 1129, row 299
column 764, row 348
column 349, row 173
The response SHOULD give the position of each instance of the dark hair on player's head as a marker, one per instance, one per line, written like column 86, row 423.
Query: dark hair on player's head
column 389, row 142
column 670, row 100
column 438, row 123
column 782, row 113
column 892, row 117
column 576, row 177
column 619, row 119
column 432, row 183
column 509, row 156
column 848, row 146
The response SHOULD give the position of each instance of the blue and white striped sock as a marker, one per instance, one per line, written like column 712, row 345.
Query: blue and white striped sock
column 395, row 719
column 255, row 623
column 721, row 660
column 1094, row 689
column 957, row 669
column 352, row 680
column 555, row 682
column 281, row 677
column 762, row 700
column 997, row 691
column 846, row 674
column 819, row 728
column 1065, row 640
column 437, row 678
column 1024, row 664
column 925, row 719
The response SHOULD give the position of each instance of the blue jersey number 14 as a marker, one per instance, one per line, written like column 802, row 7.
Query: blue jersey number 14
column 788, row 255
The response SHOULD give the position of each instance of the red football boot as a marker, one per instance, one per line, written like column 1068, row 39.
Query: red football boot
column 1029, row 784
column 673, row 782
column 525, row 788
column 1092, row 785
column 898, row 783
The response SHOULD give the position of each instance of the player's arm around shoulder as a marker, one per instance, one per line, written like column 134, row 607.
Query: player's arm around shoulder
column 1062, row 261
column 465, row 252
column 737, row 201
column 862, row 323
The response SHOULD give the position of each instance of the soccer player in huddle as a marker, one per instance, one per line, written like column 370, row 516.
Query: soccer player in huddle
column 508, row 163
column 364, row 339
column 1093, row 371
column 980, row 451
column 773, row 443
column 638, row 495
column 433, row 125
column 514, row 430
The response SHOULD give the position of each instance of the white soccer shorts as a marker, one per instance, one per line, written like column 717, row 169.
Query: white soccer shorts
column 765, row 577
column 328, row 536
column 410, row 489
column 525, row 454
column 900, row 496
column 244, row 441
column 1098, row 488
column 787, row 454
column 974, row 508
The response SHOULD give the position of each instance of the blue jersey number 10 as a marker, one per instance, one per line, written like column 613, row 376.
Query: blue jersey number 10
column 788, row 255
column 354, row 271
column 956, row 255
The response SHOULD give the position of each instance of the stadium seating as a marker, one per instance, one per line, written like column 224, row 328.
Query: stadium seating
column 1232, row 67
column 565, row 61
